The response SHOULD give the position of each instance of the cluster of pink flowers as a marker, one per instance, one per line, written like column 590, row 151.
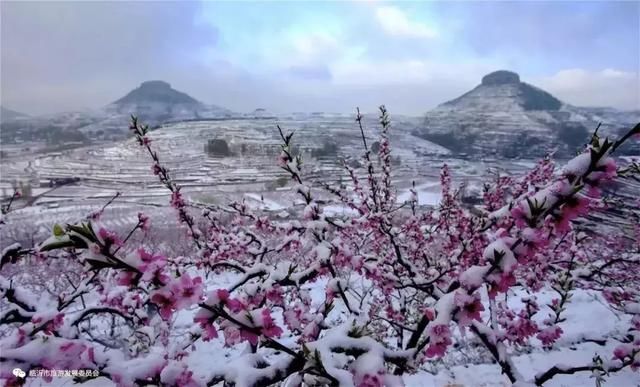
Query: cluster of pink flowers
column 109, row 238
column 469, row 308
column 439, row 340
column 549, row 335
column 178, row 294
column 50, row 324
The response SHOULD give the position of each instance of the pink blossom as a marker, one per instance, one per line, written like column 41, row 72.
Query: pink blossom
column 205, row 320
column 269, row 328
column 549, row 335
column 533, row 240
column 109, row 237
column 430, row 314
column 439, row 340
column 275, row 295
column 143, row 220
column 469, row 308
column 53, row 324
column 165, row 301
column 223, row 296
column 501, row 283
column 126, row 278
column 519, row 215
column 210, row 332
column 232, row 336
column 608, row 166
column 311, row 331
column 520, row 329
column 249, row 336
column 635, row 322
column 622, row 351
column 154, row 273
column 283, row 159
column 576, row 206
column 177, row 201
column 292, row 318
column 562, row 224
column 369, row 380
column 187, row 291
column 185, row 379
column 148, row 257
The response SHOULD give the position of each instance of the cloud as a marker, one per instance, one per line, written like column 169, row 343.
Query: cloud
column 310, row 72
column 396, row 23
column 608, row 87
column 290, row 56
column 69, row 55
column 411, row 71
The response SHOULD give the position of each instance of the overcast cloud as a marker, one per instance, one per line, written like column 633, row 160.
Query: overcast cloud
column 333, row 56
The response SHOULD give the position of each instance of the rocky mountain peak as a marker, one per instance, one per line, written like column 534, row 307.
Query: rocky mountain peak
column 155, row 85
column 501, row 77
column 507, row 117
column 502, row 91
column 156, row 92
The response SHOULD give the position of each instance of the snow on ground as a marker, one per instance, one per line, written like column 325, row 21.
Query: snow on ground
column 428, row 194
column 587, row 318
column 262, row 203
column 338, row 210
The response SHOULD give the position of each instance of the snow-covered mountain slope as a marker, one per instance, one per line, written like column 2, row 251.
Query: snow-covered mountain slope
column 507, row 117
column 10, row 115
column 155, row 102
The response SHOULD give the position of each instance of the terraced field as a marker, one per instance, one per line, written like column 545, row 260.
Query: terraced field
column 250, row 173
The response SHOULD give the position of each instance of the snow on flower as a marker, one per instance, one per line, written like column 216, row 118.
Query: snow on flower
column 549, row 335
column 187, row 290
column 205, row 318
column 268, row 326
column 108, row 237
column 165, row 300
column 469, row 308
column 439, row 340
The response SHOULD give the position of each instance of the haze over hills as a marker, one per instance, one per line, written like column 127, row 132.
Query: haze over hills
column 154, row 102
column 508, row 117
column 9, row 115
column 502, row 116
column 157, row 102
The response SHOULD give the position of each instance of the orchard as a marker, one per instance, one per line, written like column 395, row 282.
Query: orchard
column 360, row 300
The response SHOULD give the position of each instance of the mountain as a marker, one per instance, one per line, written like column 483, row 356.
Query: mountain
column 10, row 115
column 154, row 102
column 506, row 117
column 156, row 92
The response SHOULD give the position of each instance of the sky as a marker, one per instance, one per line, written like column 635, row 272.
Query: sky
column 314, row 55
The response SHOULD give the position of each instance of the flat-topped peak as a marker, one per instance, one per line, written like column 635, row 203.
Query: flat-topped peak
column 155, row 85
column 501, row 77
column 156, row 91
